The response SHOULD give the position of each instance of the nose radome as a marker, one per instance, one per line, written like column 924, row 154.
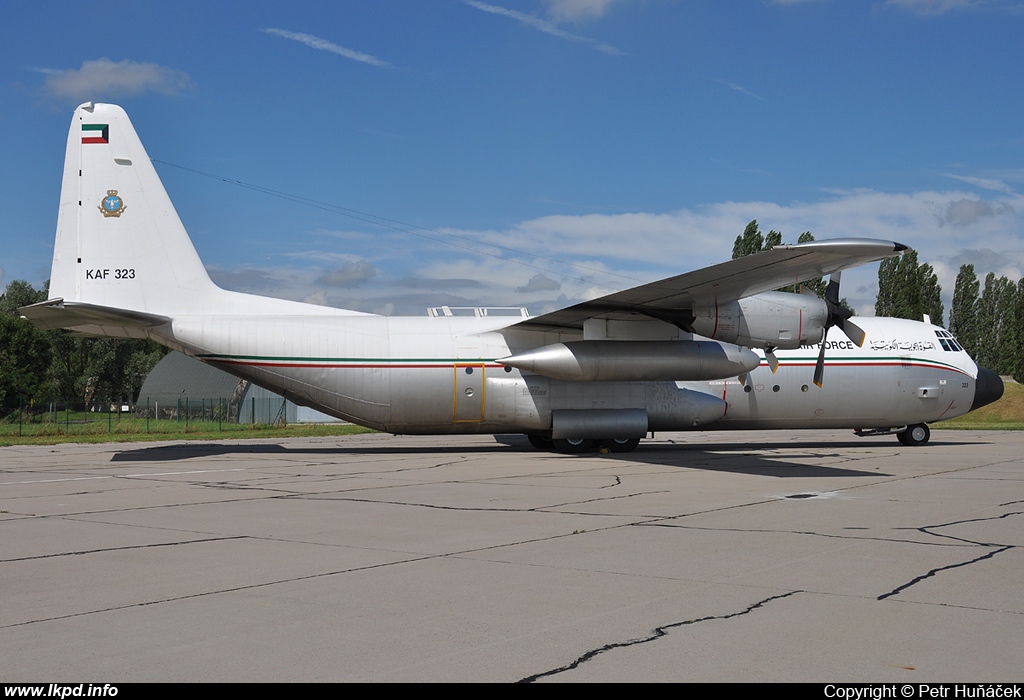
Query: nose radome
column 988, row 387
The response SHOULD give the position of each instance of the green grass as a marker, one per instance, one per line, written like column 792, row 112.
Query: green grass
column 1005, row 414
column 81, row 428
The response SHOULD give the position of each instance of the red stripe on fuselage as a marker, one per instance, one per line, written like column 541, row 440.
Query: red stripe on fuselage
column 834, row 363
column 320, row 365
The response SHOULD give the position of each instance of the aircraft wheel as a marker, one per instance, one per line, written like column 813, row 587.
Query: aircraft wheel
column 574, row 446
column 540, row 442
column 915, row 435
column 621, row 444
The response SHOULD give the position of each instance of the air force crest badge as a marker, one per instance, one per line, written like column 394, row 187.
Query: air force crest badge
column 112, row 205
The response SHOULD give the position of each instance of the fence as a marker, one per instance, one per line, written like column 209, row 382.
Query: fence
column 182, row 415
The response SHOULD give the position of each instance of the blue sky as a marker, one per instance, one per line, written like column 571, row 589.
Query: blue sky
column 530, row 153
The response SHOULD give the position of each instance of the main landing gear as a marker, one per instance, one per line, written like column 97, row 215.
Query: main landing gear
column 580, row 445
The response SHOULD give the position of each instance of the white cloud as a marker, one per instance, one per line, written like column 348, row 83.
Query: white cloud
column 325, row 45
column 565, row 259
column 578, row 9
column 433, row 283
column 544, row 26
column 351, row 274
column 540, row 283
column 965, row 212
column 941, row 7
column 104, row 79
column 740, row 88
column 983, row 182
column 323, row 256
column 255, row 280
column 318, row 297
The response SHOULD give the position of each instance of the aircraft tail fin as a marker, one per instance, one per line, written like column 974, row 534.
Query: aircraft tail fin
column 120, row 243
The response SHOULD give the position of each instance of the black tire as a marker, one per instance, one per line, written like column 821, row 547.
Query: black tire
column 540, row 442
column 915, row 435
column 574, row 446
column 621, row 444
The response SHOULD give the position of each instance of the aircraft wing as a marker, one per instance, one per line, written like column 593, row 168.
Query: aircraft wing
column 671, row 299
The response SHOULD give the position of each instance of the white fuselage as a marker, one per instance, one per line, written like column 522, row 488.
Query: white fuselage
column 902, row 375
column 440, row 375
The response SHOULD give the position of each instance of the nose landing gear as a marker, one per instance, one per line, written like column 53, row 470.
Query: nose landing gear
column 914, row 435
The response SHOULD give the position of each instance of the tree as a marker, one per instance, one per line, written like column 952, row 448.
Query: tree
column 907, row 289
column 963, row 315
column 818, row 284
column 1018, row 330
column 1008, row 334
column 42, row 365
column 749, row 243
column 24, row 349
column 931, row 294
column 885, row 301
column 997, row 316
column 19, row 293
column 753, row 242
column 101, row 369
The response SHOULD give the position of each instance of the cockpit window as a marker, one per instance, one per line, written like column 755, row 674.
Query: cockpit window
column 948, row 342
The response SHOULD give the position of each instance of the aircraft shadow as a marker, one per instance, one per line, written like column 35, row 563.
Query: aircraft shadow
column 782, row 460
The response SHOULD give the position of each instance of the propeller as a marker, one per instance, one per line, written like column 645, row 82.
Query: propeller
column 838, row 315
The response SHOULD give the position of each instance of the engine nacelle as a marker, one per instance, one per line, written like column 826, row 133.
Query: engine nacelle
column 769, row 320
column 635, row 360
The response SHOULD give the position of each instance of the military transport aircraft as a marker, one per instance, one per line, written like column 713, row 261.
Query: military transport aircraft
column 670, row 355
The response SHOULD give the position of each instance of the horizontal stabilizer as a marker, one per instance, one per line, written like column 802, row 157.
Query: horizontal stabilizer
column 56, row 313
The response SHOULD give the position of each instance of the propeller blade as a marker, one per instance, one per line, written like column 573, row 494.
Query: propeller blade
column 832, row 290
column 773, row 361
column 853, row 332
column 838, row 315
column 819, row 367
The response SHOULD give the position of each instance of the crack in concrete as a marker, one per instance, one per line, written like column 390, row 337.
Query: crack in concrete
column 927, row 530
column 935, row 571
column 307, row 577
column 810, row 533
column 657, row 633
column 203, row 594
column 126, row 547
column 479, row 509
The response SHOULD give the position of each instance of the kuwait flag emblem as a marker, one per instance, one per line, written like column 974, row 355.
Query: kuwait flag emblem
column 95, row 133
